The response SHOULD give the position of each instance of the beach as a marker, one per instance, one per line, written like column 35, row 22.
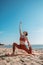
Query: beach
column 21, row 57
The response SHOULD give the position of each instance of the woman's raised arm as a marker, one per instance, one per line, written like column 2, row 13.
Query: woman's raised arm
column 20, row 29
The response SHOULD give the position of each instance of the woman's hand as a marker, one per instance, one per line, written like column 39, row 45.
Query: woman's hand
column 20, row 23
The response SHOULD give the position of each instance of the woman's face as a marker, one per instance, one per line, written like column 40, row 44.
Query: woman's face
column 24, row 33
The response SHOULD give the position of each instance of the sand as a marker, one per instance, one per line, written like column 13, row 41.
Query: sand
column 22, row 59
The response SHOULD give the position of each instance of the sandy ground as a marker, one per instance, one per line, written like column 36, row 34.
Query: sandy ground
column 22, row 59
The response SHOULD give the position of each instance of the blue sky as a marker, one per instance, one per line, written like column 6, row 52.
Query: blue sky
column 30, row 12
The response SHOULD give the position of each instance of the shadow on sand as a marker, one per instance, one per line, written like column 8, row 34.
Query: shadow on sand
column 9, row 55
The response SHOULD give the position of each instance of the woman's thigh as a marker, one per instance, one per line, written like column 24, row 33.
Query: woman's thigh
column 23, row 47
column 20, row 46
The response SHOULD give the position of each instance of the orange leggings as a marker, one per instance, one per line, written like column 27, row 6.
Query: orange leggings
column 23, row 47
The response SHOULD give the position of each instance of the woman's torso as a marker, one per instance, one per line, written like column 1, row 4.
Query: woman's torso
column 23, row 40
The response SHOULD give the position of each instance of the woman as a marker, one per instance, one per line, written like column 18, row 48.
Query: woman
column 23, row 42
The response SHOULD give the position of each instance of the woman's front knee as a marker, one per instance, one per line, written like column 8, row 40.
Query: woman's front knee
column 14, row 44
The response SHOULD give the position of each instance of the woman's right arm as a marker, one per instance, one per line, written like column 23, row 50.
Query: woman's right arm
column 20, row 30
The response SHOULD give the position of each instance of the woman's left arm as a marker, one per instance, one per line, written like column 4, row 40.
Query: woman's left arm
column 28, row 42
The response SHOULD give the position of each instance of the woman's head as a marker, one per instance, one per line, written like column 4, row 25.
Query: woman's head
column 25, row 33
